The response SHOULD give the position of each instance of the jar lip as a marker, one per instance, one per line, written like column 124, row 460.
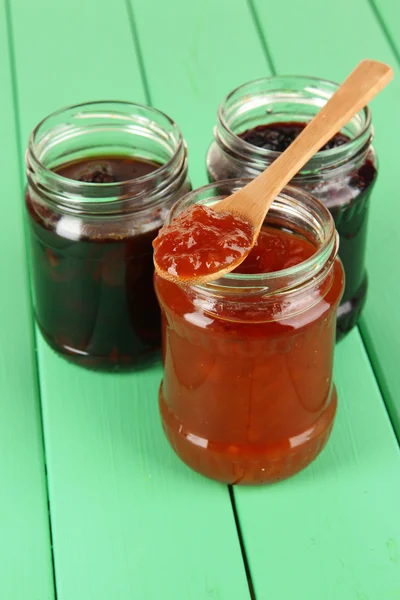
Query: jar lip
column 106, row 191
column 302, row 272
column 350, row 146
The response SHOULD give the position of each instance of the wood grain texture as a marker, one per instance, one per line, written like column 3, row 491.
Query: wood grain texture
column 128, row 519
column 329, row 53
column 25, row 552
column 333, row 531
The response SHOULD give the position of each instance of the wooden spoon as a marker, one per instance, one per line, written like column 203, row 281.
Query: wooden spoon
column 252, row 202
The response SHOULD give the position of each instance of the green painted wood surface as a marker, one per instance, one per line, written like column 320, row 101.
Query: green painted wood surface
column 188, row 65
column 333, row 531
column 128, row 519
column 25, row 555
column 352, row 38
column 387, row 13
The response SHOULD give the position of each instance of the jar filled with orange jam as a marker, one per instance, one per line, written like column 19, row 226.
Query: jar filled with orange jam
column 247, row 395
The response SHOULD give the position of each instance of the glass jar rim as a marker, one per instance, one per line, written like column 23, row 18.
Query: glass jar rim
column 351, row 146
column 109, row 192
column 298, row 275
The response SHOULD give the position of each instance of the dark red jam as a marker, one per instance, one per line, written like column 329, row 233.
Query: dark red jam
column 107, row 169
column 201, row 242
column 94, row 287
column 346, row 193
column 278, row 136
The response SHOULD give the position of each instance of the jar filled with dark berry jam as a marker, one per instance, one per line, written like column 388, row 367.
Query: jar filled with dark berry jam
column 260, row 119
column 102, row 178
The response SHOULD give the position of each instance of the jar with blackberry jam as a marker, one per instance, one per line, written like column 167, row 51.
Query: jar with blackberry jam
column 247, row 395
column 260, row 119
column 101, row 180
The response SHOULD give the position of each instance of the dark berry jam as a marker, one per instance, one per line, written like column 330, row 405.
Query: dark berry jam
column 345, row 191
column 278, row 136
column 94, row 285
column 107, row 169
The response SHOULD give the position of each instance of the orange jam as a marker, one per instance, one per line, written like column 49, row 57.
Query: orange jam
column 201, row 241
column 247, row 395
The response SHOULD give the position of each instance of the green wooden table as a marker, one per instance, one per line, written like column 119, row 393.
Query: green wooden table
column 94, row 504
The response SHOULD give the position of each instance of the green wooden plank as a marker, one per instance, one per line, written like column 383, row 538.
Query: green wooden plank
column 128, row 519
column 191, row 62
column 72, row 52
column 331, row 52
column 25, row 551
column 333, row 531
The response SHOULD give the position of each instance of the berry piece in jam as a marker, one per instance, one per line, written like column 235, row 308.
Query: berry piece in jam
column 278, row 136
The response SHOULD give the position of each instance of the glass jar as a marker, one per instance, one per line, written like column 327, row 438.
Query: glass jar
column 247, row 395
column 341, row 177
column 101, row 177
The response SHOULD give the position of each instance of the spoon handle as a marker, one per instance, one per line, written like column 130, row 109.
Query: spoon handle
column 363, row 84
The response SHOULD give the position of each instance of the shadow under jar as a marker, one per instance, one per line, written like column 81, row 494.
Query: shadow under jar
column 247, row 395
column 102, row 178
column 259, row 119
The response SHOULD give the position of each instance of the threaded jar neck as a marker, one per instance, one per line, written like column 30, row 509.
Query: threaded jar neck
column 108, row 128
column 281, row 99
column 294, row 210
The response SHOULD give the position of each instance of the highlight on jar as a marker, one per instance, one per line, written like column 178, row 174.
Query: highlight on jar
column 102, row 178
column 247, row 395
column 258, row 120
